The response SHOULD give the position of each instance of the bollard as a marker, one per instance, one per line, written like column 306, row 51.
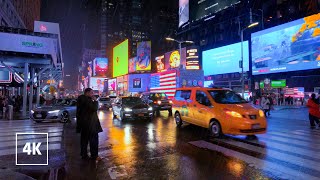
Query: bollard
column 4, row 113
column 10, row 112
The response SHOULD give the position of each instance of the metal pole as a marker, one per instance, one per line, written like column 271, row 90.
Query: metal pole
column 38, row 90
column 25, row 75
column 242, row 75
column 262, row 18
column 31, row 90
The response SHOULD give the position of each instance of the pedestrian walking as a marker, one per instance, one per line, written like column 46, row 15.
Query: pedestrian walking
column 270, row 104
column 265, row 104
column 88, row 124
column 314, row 111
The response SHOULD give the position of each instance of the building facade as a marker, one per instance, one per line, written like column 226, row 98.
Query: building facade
column 9, row 15
column 29, row 12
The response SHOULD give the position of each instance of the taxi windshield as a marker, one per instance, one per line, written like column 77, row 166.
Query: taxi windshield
column 226, row 97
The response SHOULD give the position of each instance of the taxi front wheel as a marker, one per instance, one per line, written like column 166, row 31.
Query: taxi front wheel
column 178, row 119
column 215, row 129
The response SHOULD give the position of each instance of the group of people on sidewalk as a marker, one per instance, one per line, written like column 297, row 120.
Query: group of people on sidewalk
column 314, row 111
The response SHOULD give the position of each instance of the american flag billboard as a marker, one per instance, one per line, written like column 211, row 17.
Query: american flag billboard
column 164, row 82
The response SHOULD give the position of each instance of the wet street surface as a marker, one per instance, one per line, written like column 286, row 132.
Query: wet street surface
column 157, row 149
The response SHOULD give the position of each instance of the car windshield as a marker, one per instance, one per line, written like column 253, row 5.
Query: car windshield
column 63, row 102
column 131, row 100
column 226, row 97
column 158, row 96
column 104, row 99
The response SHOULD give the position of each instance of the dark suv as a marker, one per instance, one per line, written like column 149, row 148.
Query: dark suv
column 158, row 102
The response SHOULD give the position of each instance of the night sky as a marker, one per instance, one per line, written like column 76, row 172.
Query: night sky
column 71, row 14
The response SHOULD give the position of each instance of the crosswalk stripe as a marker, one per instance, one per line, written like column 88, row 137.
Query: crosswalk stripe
column 11, row 128
column 297, row 137
column 279, row 170
column 272, row 154
column 12, row 151
column 23, row 137
column 22, row 142
column 314, row 132
column 291, row 142
column 4, row 134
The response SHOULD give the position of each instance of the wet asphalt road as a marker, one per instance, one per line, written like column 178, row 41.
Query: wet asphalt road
column 141, row 149
column 157, row 149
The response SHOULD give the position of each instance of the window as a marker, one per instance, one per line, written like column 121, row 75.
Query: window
column 202, row 98
column 183, row 95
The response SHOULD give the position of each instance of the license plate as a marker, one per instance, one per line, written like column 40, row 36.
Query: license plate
column 140, row 114
column 38, row 115
column 256, row 126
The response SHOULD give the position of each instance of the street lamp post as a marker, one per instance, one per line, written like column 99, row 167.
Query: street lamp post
column 179, row 42
column 242, row 70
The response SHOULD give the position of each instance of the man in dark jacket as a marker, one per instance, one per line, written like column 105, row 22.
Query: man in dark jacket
column 88, row 123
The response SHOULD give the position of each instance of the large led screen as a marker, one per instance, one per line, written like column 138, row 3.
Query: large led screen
column 225, row 59
column 112, row 84
column 132, row 64
column 143, row 62
column 183, row 12
column 120, row 59
column 100, row 67
column 175, row 60
column 203, row 8
column 97, row 84
column 160, row 63
column 289, row 47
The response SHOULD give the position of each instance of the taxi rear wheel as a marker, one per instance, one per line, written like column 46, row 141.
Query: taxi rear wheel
column 178, row 120
column 215, row 129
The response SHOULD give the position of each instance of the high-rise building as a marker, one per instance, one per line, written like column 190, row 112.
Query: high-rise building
column 28, row 11
column 9, row 15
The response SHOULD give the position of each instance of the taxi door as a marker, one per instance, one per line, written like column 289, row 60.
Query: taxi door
column 183, row 104
column 203, row 109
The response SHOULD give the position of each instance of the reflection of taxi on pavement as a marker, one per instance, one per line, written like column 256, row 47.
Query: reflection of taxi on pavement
column 219, row 110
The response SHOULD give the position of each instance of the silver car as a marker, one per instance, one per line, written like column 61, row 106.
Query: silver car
column 62, row 111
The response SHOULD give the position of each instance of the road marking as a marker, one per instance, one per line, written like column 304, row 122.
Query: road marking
column 117, row 171
column 266, row 166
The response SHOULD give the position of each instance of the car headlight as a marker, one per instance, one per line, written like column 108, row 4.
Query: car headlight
column 261, row 113
column 127, row 109
column 233, row 114
column 32, row 112
column 150, row 109
column 170, row 102
column 159, row 102
column 100, row 104
column 55, row 111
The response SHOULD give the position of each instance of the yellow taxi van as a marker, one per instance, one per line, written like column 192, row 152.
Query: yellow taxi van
column 222, row 111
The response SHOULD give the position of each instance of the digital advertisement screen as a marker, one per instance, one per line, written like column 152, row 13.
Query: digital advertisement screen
column 112, row 84
column 143, row 62
column 192, row 61
column 183, row 12
column 225, row 59
column 160, row 63
column 120, row 59
column 297, row 47
column 100, row 67
column 203, row 8
column 174, row 59
column 137, row 83
column 132, row 64
column 5, row 76
column 97, row 84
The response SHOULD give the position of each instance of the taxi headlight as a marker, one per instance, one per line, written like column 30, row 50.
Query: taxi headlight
column 150, row 109
column 127, row 109
column 261, row 113
column 234, row 114
column 32, row 112
column 159, row 102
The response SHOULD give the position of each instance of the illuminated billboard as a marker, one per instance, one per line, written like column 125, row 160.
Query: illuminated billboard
column 225, row 59
column 112, row 84
column 120, row 59
column 160, row 63
column 183, row 12
column 175, row 60
column 5, row 76
column 97, row 84
column 132, row 64
column 192, row 59
column 100, row 67
column 204, row 8
column 143, row 62
column 297, row 47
